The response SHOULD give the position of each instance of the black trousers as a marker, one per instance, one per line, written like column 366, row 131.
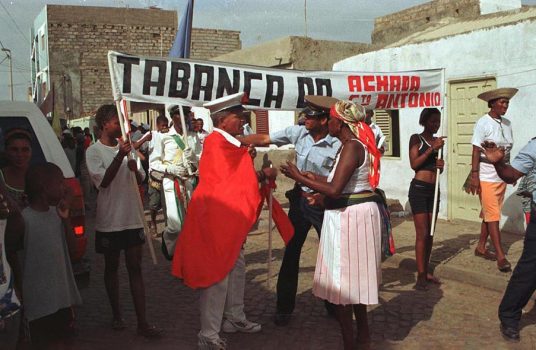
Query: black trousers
column 302, row 216
column 523, row 281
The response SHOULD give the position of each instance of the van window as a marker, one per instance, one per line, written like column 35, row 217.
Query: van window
column 8, row 123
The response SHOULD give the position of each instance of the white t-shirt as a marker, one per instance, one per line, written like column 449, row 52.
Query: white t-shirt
column 498, row 131
column 150, row 145
column 117, row 204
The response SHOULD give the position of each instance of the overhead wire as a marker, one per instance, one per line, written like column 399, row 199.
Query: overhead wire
column 14, row 22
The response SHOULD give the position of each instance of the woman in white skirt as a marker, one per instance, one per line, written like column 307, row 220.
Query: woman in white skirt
column 348, row 270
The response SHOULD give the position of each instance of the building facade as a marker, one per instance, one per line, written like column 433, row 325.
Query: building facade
column 70, row 46
column 401, row 24
column 493, row 50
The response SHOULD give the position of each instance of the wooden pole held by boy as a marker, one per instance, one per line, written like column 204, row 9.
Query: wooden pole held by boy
column 148, row 237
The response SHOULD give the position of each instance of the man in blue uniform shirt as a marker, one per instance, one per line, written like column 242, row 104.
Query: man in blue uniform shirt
column 315, row 153
column 523, row 282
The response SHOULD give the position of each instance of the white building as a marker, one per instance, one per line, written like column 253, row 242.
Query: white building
column 495, row 50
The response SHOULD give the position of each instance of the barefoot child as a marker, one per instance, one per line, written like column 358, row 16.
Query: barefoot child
column 49, row 290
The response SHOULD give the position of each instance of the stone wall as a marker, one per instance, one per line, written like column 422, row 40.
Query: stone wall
column 390, row 28
column 209, row 43
column 79, row 39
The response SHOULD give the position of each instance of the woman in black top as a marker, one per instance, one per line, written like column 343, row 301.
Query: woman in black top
column 423, row 151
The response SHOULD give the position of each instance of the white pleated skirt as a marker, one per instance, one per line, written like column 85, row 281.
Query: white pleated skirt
column 348, row 265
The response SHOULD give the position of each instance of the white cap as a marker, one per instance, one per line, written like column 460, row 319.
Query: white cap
column 226, row 102
column 145, row 126
column 66, row 131
column 134, row 124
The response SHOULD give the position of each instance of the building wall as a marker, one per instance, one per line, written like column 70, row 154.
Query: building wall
column 209, row 43
column 40, row 55
column 79, row 39
column 464, row 56
column 390, row 28
column 295, row 52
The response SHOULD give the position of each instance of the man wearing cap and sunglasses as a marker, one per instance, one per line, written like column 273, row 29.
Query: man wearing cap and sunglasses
column 522, row 284
column 315, row 152
column 492, row 127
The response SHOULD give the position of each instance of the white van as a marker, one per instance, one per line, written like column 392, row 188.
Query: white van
column 45, row 148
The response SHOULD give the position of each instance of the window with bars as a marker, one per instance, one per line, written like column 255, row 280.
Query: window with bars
column 388, row 122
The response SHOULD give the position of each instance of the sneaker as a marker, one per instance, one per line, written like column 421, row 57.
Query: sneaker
column 240, row 326
column 209, row 344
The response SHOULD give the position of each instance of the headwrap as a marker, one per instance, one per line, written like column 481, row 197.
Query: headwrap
column 354, row 115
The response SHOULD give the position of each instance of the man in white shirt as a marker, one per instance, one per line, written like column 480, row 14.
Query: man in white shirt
column 175, row 158
column 201, row 132
column 485, row 181
column 155, row 179
column 378, row 134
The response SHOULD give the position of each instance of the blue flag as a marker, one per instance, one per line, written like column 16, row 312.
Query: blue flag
column 181, row 45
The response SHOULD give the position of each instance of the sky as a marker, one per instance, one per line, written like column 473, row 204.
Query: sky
column 257, row 20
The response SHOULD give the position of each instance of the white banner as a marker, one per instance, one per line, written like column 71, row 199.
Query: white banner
column 194, row 82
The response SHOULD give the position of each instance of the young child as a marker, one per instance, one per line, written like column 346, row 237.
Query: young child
column 48, row 287
column 118, row 224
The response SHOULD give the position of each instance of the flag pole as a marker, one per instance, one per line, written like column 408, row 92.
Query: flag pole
column 141, row 212
column 270, row 230
column 439, row 156
column 190, row 20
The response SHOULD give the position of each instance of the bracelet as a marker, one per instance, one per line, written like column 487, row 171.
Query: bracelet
column 475, row 171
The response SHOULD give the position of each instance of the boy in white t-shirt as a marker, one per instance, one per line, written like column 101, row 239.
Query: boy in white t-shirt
column 484, row 179
column 118, row 224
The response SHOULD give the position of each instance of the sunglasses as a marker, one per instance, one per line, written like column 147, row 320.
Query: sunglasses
column 313, row 113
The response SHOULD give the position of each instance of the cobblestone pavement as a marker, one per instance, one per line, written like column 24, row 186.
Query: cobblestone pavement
column 451, row 316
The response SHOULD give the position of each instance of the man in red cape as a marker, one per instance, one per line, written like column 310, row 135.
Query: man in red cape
column 209, row 251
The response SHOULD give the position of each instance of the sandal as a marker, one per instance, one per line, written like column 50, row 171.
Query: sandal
column 118, row 324
column 488, row 255
column 504, row 265
column 150, row 332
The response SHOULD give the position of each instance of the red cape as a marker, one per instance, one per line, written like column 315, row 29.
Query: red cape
column 220, row 214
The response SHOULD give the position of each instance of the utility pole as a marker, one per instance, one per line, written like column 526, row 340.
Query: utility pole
column 305, row 16
column 8, row 53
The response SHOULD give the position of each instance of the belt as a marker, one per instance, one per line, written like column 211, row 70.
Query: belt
column 352, row 199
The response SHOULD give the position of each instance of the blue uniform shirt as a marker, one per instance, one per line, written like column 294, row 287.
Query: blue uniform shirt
column 316, row 157
column 525, row 162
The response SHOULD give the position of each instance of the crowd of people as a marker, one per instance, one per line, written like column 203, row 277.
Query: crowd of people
column 208, row 189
